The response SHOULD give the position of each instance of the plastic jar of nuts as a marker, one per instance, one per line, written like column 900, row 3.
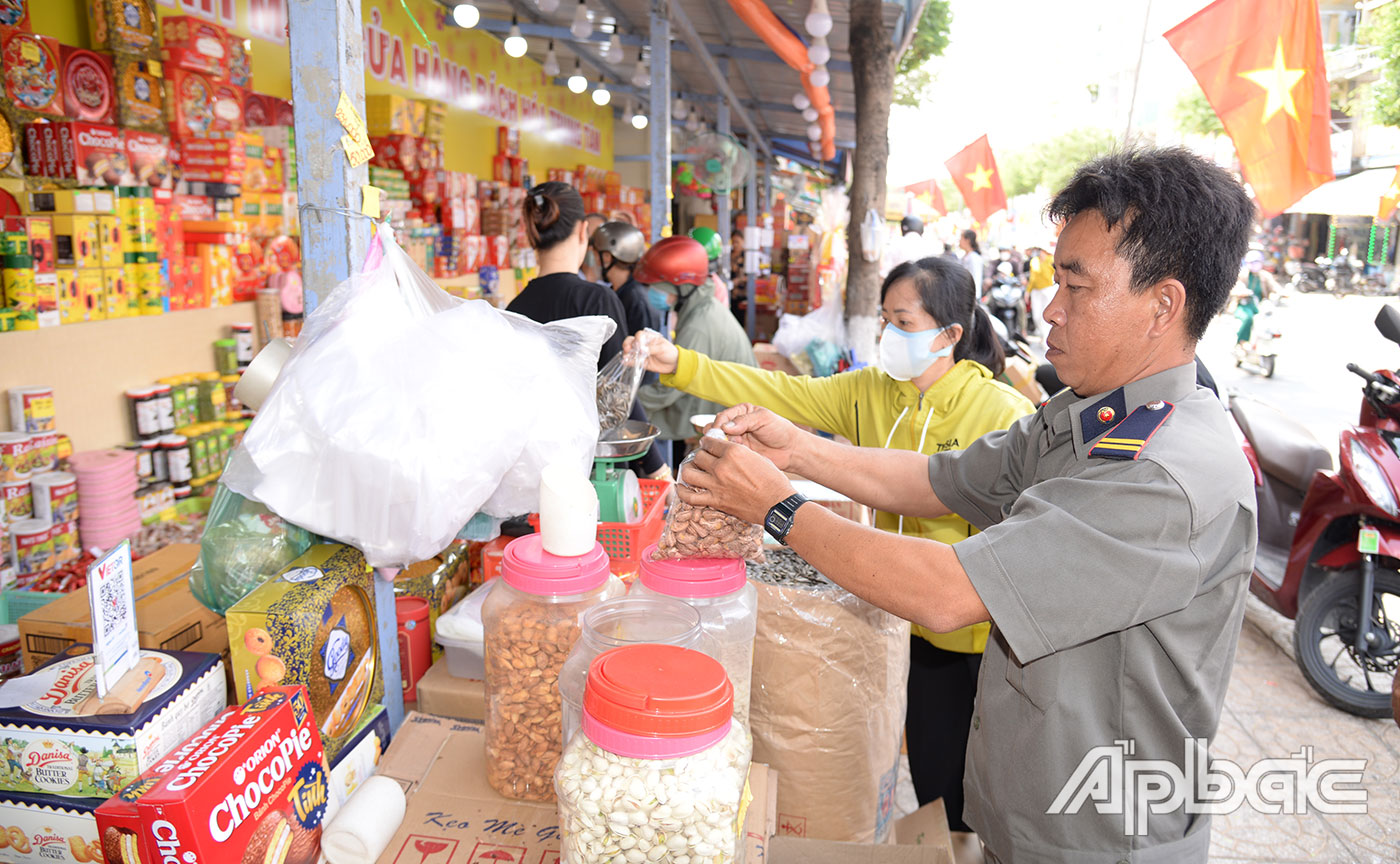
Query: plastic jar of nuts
column 623, row 621
column 719, row 589
column 657, row 772
column 531, row 621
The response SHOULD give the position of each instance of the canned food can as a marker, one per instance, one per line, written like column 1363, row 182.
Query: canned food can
column 31, row 409
column 16, row 462
column 31, row 544
column 177, row 455
column 19, row 504
column 43, row 451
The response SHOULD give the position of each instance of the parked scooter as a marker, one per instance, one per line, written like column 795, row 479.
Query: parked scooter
column 1006, row 299
column 1305, row 277
column 1329, row 541
column 1344, row 273
column 1260, row 353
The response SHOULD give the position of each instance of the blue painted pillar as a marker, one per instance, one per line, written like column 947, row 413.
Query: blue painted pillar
column 327, row 47
column 722, row 215
column 660, row 127
column 751, row 245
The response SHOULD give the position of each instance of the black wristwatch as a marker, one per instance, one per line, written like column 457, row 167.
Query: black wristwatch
column 778, row 522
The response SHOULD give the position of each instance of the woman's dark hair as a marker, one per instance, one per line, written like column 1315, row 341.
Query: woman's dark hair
column 552, row 212
column 946, row 292
column 1182, row 218
column 971, row 237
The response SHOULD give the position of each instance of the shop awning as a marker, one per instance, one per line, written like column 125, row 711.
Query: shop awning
column 763, row 82
column 1354, row 195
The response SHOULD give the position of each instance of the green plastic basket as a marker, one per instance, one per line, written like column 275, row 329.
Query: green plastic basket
column 19, row 603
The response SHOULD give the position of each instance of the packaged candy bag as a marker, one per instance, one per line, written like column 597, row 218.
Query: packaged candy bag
column 618, row 383
column 704, row 532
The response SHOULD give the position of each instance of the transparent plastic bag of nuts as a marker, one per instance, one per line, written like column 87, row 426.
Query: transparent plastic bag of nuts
column 618, row 383
column 704, row 532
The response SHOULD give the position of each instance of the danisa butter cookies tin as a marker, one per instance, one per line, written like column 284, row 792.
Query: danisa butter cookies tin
column 69, row 742
column 313, row 625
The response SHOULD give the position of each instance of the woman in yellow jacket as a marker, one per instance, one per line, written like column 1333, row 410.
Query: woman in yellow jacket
column 934, row 391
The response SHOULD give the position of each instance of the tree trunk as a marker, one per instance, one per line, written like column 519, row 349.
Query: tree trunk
column 872, row 66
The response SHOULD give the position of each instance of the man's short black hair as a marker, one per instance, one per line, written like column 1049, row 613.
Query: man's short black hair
column 1183, row 217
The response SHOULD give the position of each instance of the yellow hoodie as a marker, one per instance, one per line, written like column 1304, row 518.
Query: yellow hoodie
column 871, row 409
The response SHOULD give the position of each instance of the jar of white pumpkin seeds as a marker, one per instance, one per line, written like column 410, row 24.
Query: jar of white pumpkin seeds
column 657, row 772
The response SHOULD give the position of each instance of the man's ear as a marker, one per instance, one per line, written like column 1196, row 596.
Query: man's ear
column 1170, row 310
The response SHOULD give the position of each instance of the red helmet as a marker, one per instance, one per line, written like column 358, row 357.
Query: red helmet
column 674, row 260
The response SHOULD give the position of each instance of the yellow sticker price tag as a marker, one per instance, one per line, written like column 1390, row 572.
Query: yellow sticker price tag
column 370, row 200
column 29, row 52
column 358, row 151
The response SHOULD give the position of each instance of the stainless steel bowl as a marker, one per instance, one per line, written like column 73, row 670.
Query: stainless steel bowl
column 632, row 438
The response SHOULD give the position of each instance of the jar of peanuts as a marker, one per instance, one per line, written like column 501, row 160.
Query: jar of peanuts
column 531, row 620
column 657, row 772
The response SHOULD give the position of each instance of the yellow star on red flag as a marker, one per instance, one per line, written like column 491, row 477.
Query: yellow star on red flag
column 1278, row 82
column 1389, row 198
column 974, row 171
column 981, row 178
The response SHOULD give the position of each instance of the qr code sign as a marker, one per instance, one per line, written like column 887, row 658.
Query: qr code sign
column 112, row 604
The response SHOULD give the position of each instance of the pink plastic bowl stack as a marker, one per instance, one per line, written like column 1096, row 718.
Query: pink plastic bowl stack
column 107, row 484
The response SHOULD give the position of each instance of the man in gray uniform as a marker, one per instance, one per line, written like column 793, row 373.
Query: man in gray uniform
column 1117, row 525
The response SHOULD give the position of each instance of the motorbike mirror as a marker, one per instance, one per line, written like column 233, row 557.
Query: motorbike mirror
column 1388, row 322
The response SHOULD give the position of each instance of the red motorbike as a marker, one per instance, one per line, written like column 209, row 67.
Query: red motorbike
column 1329, row 541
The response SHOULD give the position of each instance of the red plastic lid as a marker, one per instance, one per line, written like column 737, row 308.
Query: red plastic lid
column 693, row 577
column 527, row 567
column 659, row 691
column 410, row 609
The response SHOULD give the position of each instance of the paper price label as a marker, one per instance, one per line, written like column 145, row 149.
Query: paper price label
column 358, row 151
column 370, row 201
column 29, row 52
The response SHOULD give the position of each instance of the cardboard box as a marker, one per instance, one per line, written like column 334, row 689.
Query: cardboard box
column 443, row 694
column 314, row 625
column 65, row 749
column 52, row 829
column 257, row 783
column 769, row 358
column 123, row 26
column 440, row 763
column 358, row 760
column 76, row 241
column 920, row 838
column 140, row 94
column 196, row 45
column 148, row 156
column 168, row 618
column 93, row 154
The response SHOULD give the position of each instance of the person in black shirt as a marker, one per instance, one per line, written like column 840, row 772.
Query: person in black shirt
column 555, row 226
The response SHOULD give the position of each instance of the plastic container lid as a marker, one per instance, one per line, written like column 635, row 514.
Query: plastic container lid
column 173, row 441
column 694, row 577
column 646, row 701
column 410, row 609
column 527, row 567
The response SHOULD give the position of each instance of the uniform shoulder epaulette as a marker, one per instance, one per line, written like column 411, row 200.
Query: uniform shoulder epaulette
column 1127, row 439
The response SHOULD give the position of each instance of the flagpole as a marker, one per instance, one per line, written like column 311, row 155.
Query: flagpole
column 1137, row 74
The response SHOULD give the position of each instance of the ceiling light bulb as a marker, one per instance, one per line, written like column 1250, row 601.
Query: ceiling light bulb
column 814, row 132
column 602, row 96
column 551, row 61
column 679, row 110
column 465, row 15
column 809, row 114
column 641, row 76
column 639, row 121
column 692, row 123
column 818, row 21
column 578, row 83
column 801, row 102
column 516, row 46
column 615, row 54
column 548, row 6
column 819, row 77
column 582, row 27
column 819, row 52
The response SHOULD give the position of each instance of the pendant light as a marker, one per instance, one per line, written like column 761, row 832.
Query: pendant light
column 515, row 44
column 577, row 83
column 582, row 26
column 551, row 61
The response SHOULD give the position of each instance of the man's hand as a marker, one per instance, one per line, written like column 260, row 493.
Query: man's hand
column 732, row 478
column 764, row 432
column 662, row 356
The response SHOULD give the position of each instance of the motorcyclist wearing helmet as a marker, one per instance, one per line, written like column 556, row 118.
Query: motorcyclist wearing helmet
column 676, row 271
column 714, row 250
column 910, row 245
column 619, row 247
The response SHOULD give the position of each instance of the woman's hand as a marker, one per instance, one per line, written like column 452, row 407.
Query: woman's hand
column 662, row 356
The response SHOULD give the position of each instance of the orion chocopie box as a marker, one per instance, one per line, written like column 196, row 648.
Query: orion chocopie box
column 253, row 789
column 314, row 625
column 70, row 742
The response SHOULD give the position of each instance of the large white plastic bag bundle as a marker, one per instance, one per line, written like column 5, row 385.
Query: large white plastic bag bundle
column 403, row 411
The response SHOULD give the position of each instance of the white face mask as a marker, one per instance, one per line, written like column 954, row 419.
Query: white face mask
column 905, row 356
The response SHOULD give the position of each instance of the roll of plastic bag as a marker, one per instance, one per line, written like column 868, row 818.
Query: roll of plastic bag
column 403, row 411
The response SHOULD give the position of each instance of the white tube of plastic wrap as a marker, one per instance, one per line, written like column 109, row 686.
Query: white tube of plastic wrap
column 568, row 512
column 361, row 831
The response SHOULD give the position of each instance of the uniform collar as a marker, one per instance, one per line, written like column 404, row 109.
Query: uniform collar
column 1089, row 418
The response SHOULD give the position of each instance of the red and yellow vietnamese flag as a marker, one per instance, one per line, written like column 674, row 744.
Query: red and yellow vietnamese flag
column 929, row 190
column 1389, row 199
column 975, row 173
column 1260, row 65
